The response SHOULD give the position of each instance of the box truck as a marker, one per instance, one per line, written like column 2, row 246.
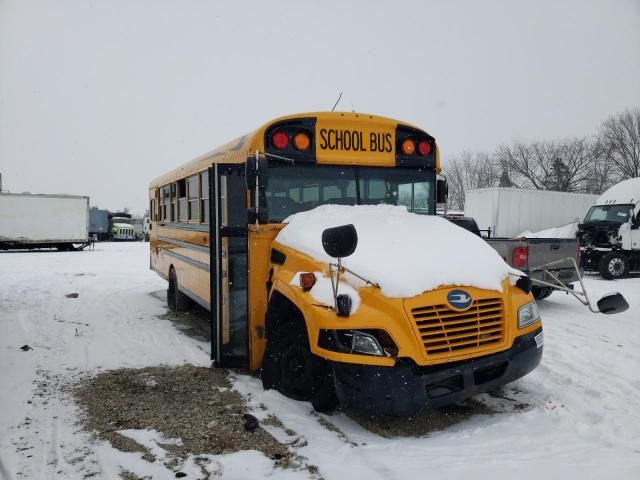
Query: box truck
column 29, row 221
column 507, row 212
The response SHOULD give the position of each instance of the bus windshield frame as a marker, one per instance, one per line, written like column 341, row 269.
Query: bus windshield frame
column 301, row 187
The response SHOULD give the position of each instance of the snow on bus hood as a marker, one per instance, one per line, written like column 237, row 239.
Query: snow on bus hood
column 405, row 253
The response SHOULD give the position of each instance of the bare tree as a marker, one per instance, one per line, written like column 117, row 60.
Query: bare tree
column 588, row 165
column 547, row 165
column 469, row 170
column 620, row 137
column 602, row 173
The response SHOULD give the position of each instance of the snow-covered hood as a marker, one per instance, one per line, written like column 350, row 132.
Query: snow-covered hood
column 122, row 225
column 405, row 253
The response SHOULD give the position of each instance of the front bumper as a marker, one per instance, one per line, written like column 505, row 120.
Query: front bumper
column 406, row 388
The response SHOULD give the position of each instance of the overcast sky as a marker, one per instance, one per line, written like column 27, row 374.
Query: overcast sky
column 98, row 97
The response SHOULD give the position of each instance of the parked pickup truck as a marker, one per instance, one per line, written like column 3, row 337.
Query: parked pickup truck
column 527, row 254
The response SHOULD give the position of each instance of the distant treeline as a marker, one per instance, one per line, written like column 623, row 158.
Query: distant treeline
column 589, row 164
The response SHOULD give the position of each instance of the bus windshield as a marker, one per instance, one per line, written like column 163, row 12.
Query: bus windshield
column 298, row 188
column 609, row 213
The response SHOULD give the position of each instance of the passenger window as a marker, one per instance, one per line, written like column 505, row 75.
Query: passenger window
column 174, row 201
column 204, row 197
column 192, row 187
column 165, row 198
column 182, row 200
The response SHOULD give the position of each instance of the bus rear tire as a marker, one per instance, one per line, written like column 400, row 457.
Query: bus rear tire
column 176, row 300
column 291, row 368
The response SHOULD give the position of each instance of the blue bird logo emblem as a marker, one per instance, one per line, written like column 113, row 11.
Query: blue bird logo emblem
column 459, row 299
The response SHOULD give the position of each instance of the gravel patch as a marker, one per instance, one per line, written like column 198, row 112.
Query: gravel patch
column 194, row 404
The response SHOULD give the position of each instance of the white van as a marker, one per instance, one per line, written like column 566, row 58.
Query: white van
column 609, row 236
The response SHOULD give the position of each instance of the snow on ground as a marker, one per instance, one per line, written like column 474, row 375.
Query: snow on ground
column 578, row 414
column 394, row 246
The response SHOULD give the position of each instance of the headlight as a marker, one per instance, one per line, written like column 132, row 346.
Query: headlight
column 370, row 342
column 528, row 314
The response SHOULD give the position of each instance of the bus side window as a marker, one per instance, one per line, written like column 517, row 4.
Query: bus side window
column 182, row 200
column 192, row 192
column 174, row 202
column 204, row 197
column 166, row 200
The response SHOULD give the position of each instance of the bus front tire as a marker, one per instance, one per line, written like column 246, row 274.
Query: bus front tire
column 291, row 368
column 176, row 300
column 613, row 265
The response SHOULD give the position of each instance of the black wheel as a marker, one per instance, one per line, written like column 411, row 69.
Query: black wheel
column 176, row 300
column 291, row 368
column 613, row 265
column 540, row 293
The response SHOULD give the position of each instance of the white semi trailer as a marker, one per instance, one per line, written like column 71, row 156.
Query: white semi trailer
column 507, row 212
column 29, row 221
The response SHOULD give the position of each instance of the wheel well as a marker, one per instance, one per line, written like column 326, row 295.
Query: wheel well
column 282, row 311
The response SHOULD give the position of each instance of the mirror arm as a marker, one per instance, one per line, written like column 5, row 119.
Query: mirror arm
column 562, row 286
column 368, row 282
column 335, row 282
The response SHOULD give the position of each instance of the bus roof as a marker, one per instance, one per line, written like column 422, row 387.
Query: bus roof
column 237, row 150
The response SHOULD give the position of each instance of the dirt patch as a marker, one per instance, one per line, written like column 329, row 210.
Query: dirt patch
column 193, row 323
column 193, row 404
column 423, row 423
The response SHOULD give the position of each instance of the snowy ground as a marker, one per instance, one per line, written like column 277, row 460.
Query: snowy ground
column 576, row 416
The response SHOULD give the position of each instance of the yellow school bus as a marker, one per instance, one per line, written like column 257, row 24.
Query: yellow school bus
column 214, row 223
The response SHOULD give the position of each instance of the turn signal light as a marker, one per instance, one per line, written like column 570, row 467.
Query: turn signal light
column 424, row 148
column 301, row 141
column 520, row 257
column 307, row 281
column 408, row 147
column 280, row 140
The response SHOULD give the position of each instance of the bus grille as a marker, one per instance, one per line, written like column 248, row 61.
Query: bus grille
column 446, row 331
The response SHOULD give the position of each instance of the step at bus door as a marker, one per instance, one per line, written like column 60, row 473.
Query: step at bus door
column 228, row 272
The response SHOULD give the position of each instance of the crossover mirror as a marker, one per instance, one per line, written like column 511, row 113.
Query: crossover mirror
column 340, row 242
column 612, row 303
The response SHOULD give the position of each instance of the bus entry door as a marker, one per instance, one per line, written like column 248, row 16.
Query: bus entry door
column 229, row 278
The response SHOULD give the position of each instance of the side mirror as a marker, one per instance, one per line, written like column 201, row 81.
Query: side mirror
column 442, row 190
column 340, row 242
column 256, row 169
column 612, row 303
column 524, row 284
